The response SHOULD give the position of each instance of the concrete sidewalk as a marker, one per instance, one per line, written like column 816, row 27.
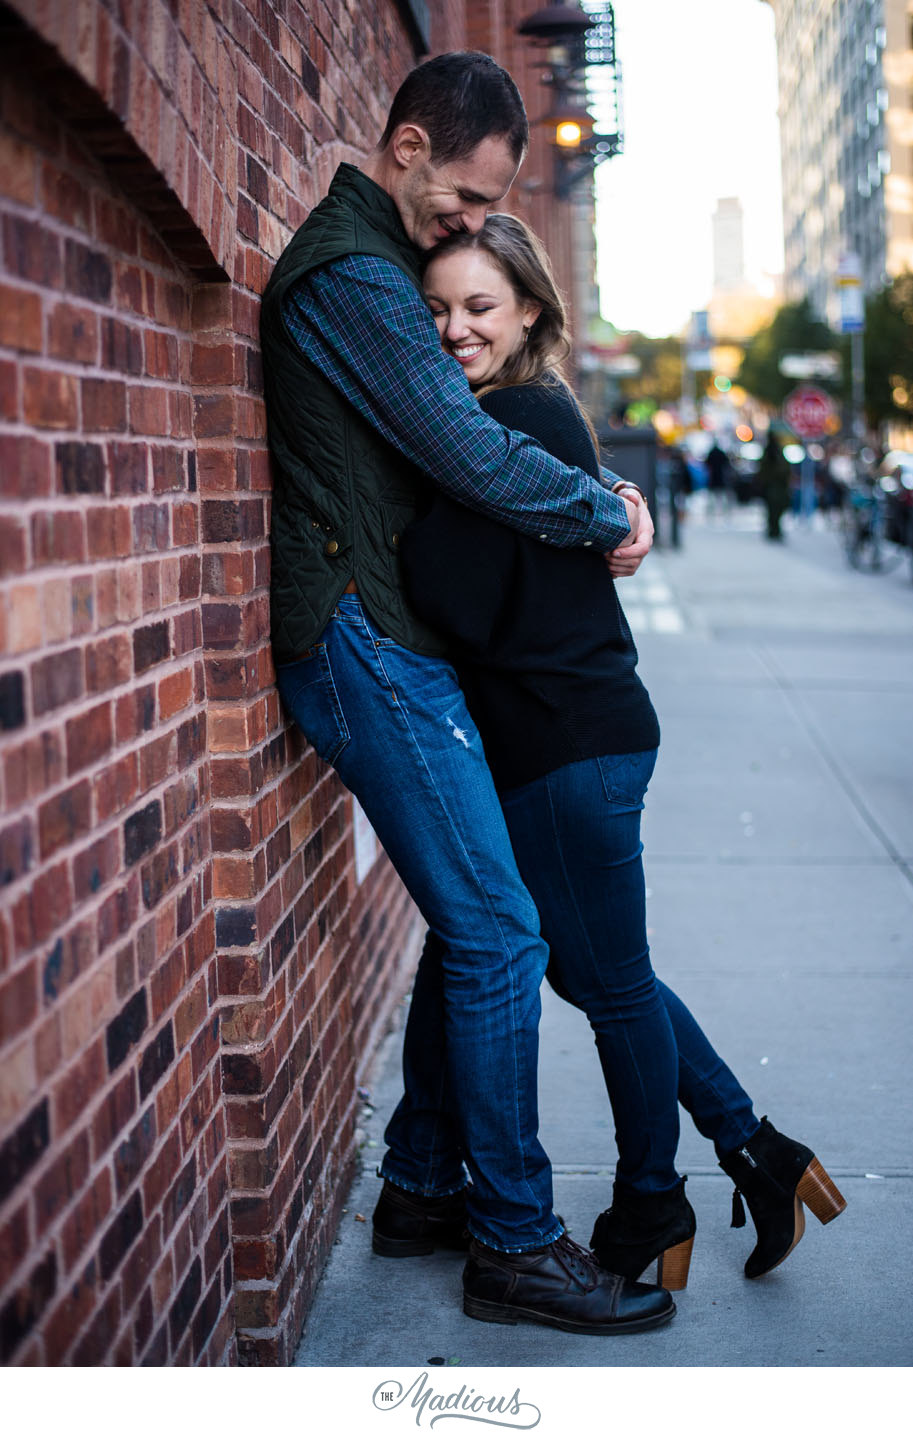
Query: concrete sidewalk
column 779, row 851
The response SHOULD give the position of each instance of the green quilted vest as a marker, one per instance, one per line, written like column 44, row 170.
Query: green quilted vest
column 341, row 494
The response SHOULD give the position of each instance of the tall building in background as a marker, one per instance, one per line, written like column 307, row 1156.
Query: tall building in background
column 846, row 124
column 728, row 244
column 737, row 307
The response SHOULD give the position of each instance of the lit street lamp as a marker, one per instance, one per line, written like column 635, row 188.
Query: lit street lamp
column 574, row 41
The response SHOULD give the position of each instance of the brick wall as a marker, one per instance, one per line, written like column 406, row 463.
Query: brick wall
column 193, row 976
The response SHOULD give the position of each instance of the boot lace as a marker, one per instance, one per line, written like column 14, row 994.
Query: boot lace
column 578, row 1262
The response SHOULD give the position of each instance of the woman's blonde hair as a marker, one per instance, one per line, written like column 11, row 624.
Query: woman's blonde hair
column 523, row 261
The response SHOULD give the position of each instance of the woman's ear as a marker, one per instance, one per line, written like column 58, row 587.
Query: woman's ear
column 531, row 312
column 409, row 142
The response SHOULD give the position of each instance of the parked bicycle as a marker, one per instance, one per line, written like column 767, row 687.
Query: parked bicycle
column 869, row 544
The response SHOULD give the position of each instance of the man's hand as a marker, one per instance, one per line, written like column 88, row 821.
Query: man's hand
column 624, row 561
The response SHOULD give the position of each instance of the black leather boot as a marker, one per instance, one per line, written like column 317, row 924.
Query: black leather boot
column 776, row 1175
column 409, row 1225
column 562, row 1286
column 641, row 1228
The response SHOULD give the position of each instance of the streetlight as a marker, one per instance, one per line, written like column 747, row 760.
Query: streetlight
column 572, row 42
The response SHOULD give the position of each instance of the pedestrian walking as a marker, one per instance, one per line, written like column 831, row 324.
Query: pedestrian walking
column 774, row 477
column 719, row 477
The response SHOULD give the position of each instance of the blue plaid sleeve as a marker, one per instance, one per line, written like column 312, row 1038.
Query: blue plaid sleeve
column 365, row 327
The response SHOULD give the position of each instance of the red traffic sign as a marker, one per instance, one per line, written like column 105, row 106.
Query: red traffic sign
column 809, row 411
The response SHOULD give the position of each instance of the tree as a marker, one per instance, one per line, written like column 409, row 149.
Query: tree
column 793, row 329
column 888, row 353
column 660, row 376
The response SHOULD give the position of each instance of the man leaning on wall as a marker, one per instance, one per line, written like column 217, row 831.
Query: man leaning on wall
column 364, row 410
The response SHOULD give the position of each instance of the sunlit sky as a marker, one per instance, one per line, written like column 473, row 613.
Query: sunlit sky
column 700, row 124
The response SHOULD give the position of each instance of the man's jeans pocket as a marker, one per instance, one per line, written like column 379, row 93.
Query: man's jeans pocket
column 309, row 693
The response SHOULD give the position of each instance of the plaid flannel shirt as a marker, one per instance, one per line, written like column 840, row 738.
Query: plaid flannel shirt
column 366, row 329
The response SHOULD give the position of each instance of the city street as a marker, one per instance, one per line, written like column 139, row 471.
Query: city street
column 779, row 853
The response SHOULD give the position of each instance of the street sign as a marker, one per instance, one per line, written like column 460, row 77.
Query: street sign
column 809, row 411
column 849, row 292
column 810, row 365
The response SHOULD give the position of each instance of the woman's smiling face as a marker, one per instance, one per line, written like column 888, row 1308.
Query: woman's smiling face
column 478, row 315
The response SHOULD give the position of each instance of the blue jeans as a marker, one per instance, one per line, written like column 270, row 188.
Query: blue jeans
column 576, row 836
column 395, row 727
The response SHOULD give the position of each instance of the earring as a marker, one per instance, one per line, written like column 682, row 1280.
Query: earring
column 526, row 328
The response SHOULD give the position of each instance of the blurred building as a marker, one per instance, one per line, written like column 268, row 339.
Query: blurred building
column 728, row 244
column 846, row 123
column 737, row 307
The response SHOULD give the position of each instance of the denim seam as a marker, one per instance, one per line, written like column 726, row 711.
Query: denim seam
column 544, row 1242
column 358, row 620
column 425, row 1192
column 496, row 921
column 586, row 942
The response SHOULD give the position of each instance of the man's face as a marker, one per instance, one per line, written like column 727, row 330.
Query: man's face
column 435, row 200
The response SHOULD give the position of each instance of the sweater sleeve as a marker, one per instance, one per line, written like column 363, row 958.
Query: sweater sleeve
column 548, row 412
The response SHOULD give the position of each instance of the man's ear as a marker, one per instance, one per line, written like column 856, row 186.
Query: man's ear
column 409, row 142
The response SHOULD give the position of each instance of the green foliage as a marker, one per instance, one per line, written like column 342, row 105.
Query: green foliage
column 793, row 329
column 887, row 350
column 660, row 376
column 888, row 353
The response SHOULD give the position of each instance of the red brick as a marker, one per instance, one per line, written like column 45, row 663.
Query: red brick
column 50, row 400
column 12, row 546
column 148, row 408
column 65, row 197
column 73, row 333
column 32, row 251
column 62, row 1181
column 71, row 1315
column 9, row 390
column 116, row 1111
column 86, row 1218
column 104, row 405
column 175, row 693
column 25, row 463
column 64, row 817
column 18, row 1002
column 58, row 537
column 18, row 168
column 32, row 768
column 117, row 786
column 14, row 1243
column 75, row 1090
column 115, row 224
column 185, row 524
column 190, row 1014
column 216, row 469
column 109, row 532
column 109, row 662
column 161, row 354
column 20, row 319
column 89, row 737
column 162, row 1172
column 129, row 464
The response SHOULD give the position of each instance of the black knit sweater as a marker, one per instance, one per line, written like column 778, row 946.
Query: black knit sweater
column 540, row 642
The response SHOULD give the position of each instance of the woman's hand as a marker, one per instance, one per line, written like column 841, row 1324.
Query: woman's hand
column 623, row 561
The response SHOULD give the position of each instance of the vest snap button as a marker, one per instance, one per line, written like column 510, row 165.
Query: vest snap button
column 395, row 539
column 331, row 548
